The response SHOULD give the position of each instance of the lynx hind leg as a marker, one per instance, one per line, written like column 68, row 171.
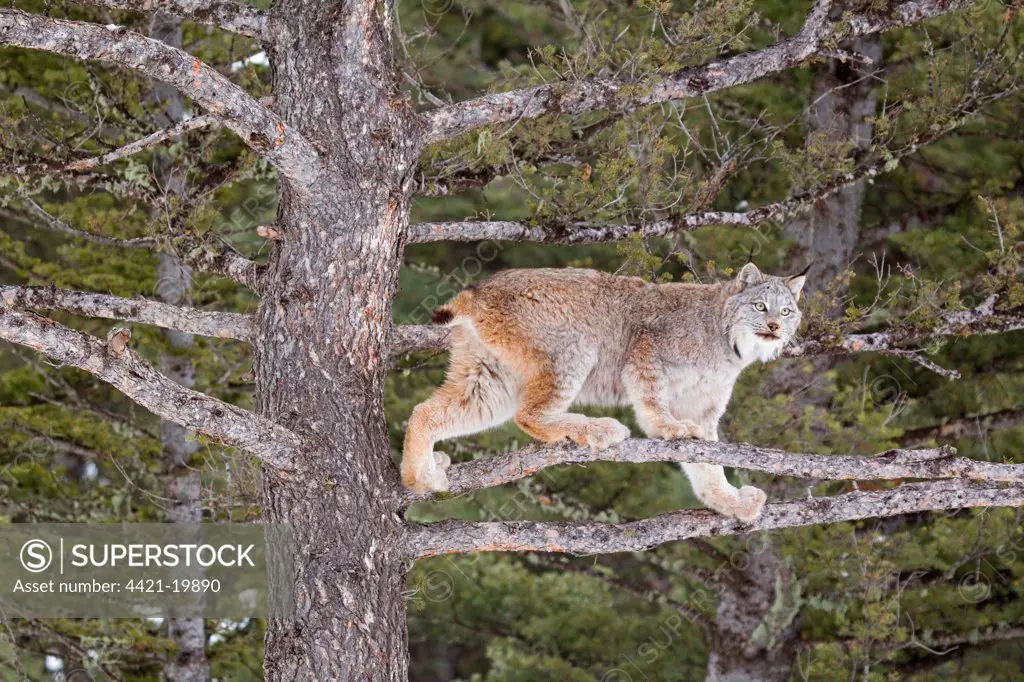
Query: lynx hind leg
column 551, row 388
column 711, row 487
column 478, row 393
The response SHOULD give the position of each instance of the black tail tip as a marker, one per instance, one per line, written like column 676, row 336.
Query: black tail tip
column 442, row 315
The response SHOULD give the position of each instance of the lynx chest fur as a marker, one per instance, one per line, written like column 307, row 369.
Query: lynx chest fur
column 528, row 344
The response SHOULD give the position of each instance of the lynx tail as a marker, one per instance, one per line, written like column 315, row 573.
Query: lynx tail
column 459, row 306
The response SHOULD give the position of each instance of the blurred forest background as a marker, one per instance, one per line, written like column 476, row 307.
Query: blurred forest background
column 929, row 116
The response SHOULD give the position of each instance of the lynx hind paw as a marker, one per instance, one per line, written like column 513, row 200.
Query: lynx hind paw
column 682, row 429
column 442, row 461
column 750, row 503
column 605, row 432
column 432, row 478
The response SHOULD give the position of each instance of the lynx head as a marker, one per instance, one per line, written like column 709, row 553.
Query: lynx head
column 762, row 314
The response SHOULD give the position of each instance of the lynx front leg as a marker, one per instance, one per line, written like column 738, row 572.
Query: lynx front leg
column 713, row 489
column 644, row 381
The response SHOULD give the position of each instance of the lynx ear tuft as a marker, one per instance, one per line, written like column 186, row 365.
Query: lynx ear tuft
column 749, row 275
column 796, row 282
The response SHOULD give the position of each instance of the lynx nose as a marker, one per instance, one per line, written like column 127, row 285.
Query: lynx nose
column 773, row 326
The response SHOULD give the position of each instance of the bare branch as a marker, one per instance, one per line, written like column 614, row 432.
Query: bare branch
column 817, row 34
column 450, row 537
column 258, row 126
column 45, row 219
column 206, row 254
column 87, row 304
column 980, row 321
column 143, row 143
column 134, row 377
column 412, row 338
column 235, row 17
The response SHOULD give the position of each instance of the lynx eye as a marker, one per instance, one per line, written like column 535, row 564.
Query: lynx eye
column 785, row 312
column 760, row 307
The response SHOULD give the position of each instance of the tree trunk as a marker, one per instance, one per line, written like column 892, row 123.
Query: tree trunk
column 843, row 99
column 183, row 485
column 754, row 634
column 321, row 348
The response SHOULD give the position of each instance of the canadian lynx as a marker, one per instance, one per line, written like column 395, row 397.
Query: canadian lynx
column 528, row 344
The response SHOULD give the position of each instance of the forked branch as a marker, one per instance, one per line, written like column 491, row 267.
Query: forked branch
column 258, row 126
column 88, row 304
column 460, row 537
column 817, row 35
column 122, row 368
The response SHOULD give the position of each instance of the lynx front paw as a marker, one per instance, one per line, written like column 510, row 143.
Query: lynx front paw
column 604, row 432
column 431, row 476
column 749, row 504
column 683, row 428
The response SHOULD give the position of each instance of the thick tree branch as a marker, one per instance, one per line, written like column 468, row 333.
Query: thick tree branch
column 451, row 537
column 931, row 463
column 235, row 17
column 817, row 34
column 87, row 304
column 258, row 126
column 126, row 371
column 979, row 321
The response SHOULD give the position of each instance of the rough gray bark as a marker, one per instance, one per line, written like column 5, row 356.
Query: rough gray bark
column 87, row 304
column 462, row 537
column 322, row 331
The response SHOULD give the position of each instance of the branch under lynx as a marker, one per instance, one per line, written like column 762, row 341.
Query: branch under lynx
column 258, row 126
column 134, row 377
column 932, row 463
column 88, row 304
column 459, row 537
column 817, row 34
